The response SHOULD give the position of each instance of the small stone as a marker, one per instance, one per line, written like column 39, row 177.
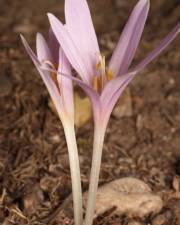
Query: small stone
column 52, row 107
column 32, row 200
column 139, row 122
column 136, row 196
column 176, row 183
column 162, row 218
column 55, row 139
column 134, row 223
column 55, row 169
column 64, row 161
column 83, row 111
column 123, row 107
column 47, row 183
column 159, row 220
column 25, row 27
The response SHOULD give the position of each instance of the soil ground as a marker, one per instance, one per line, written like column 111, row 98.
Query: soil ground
column 34, row 168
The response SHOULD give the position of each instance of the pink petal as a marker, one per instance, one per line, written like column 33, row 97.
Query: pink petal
column 70, row 49
column 47, row 80
column 129, row 40
column 43, row 52
column 80, row 26
column 152, row 55
column 113, row 98
column 116, row 86
column 65, row 84
column 54, row 46
column 113, row 86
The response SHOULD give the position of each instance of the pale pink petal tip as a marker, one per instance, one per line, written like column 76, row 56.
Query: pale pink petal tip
column 43, row 51
column 29, row 50
column 81, row 28
column 69, row 47
column 129, row 39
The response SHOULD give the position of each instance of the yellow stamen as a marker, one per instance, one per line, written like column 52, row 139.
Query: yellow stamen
column 57, row 83
column 98, row 66
column 103, row 65
column 95, row 83
column 109, row 75
column 103, row 75
column 53, row 74
column 100, row 82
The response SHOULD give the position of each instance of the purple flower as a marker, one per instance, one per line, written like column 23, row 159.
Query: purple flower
column 58, row 86
column 61, row 92
column 78, row 40
column 102, row 84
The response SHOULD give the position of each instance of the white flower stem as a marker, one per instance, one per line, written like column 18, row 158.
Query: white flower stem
column 99, row 132
column 75, row 172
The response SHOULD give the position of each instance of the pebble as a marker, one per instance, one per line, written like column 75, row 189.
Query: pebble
column 83, row 111
column 130, row 196
column 134, row 223
column 123, row 107
column 162, row 218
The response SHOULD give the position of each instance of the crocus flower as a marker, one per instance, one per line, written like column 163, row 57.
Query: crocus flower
column 103, row 84
column 61, row 92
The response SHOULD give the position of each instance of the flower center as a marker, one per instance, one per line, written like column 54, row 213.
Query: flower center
column 103, row 75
